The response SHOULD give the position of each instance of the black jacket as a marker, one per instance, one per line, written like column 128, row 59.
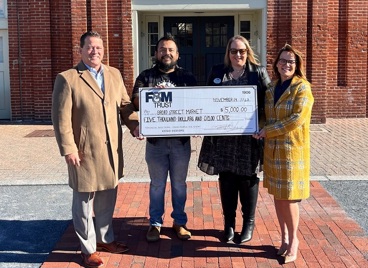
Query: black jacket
column 153, row 77
column 257, row 75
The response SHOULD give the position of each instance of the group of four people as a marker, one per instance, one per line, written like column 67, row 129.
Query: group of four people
column 90, row 103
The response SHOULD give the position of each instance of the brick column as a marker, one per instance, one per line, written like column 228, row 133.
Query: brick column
column 127, row 45
column 303, row 25
column 40, row 74
column 357, row 64
column 314, row 46
column 347, row 59
column 99, row 23
column 78, row 25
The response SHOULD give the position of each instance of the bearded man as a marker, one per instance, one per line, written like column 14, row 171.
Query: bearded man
column 166, row 155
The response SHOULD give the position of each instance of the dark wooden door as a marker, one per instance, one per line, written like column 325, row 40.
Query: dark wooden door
column 202, row 42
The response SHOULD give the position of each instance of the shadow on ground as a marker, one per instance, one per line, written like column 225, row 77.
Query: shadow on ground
column 29, row 241
column 204, row 243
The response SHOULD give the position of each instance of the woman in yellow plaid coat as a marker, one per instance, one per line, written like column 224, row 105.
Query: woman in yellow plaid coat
column 288, row 107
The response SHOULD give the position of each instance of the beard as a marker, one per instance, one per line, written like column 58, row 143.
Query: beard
column 165, row 66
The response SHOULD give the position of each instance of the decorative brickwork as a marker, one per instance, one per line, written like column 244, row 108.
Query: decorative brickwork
column 333, row 37
column 44, row 40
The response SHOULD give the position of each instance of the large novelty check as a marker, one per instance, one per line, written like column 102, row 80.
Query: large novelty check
column 190, row 111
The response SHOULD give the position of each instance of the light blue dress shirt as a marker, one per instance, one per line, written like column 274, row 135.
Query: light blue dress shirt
column 98, row 76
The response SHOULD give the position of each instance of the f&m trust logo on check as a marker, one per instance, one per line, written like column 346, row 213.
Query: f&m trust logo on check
column 161, row 99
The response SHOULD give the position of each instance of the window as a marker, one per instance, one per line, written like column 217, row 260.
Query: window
column 245, row 29
column 183, row 33
column 152, row 40
column 216, row 34
column 2, row 8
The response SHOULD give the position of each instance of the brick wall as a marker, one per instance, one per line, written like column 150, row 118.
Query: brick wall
column 120, row 39
column 30, row 59
column 333, row 37
column 44, row 40
column 347, row 59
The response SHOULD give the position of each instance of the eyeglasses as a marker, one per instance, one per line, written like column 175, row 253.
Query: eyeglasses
column 283, row 61
column 235, row 51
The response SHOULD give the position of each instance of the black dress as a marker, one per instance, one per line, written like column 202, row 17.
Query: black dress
column 236, row 154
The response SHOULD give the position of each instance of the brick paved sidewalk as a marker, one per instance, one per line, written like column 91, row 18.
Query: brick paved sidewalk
column 328, row 238
column 339, row 151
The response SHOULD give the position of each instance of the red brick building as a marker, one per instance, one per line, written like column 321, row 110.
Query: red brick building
column 40, row 38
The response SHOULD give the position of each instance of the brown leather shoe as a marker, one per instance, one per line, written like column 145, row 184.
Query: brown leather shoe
column 182, row 232
column 92, row 260
column 113, row 247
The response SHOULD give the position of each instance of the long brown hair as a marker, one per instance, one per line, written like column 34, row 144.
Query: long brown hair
column 299, row 69
column 251, row 57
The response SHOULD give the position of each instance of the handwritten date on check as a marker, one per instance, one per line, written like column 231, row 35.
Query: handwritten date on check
column 192, row 111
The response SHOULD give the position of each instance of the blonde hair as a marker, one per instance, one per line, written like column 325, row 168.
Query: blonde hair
column 251, row 57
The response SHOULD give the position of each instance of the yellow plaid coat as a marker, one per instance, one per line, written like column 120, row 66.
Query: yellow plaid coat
column 287, row 142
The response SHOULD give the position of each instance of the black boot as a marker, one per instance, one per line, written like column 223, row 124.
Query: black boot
column 229, row 201
column 248, row 198
column 228, row 233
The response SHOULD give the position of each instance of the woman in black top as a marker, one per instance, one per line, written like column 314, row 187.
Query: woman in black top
column 235, row 158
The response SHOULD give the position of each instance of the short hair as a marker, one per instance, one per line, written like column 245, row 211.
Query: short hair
column 86, row 34
column 299, row 69
column 251, row 57
column 167, row 38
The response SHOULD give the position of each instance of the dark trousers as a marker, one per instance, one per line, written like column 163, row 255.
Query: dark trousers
column 246, row 187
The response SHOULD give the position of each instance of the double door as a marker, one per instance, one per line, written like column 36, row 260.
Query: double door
column 202, row 42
